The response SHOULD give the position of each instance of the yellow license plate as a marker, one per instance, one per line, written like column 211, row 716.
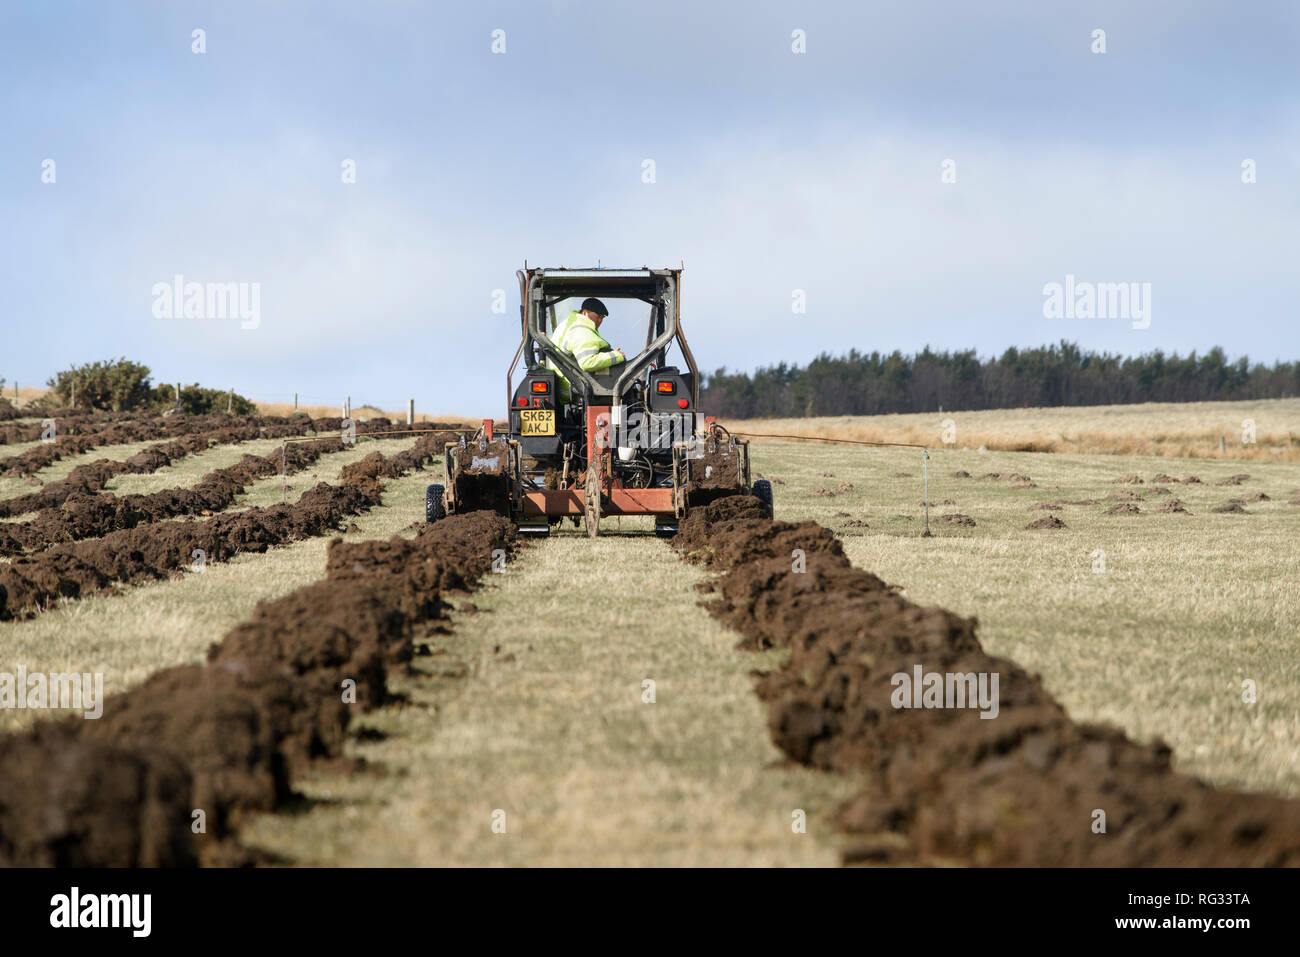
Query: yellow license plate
column 537, row 422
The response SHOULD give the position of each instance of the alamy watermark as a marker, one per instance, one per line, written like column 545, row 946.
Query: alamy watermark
column 77, row 691
column 933, row 689
column 179, row 299
column 1101, row 300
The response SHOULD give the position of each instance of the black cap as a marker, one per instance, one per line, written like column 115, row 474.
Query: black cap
column 594, row 305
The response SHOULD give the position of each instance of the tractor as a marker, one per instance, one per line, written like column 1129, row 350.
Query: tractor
column 628, row 441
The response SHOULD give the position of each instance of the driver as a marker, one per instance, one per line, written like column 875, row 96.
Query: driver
column 577, row 335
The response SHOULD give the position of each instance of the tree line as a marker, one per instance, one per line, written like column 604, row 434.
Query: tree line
column 874, row 383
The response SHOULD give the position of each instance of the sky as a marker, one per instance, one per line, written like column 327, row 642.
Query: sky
column 779, row 178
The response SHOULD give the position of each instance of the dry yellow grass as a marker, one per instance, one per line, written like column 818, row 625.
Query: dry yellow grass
column 26, row 394
column 1182, row 430
column 362, row 412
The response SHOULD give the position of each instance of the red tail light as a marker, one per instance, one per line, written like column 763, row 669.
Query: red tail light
column 521, row 401
column 682, row 403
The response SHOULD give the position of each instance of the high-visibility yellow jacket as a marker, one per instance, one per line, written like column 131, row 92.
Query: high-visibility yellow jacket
column 577, row 335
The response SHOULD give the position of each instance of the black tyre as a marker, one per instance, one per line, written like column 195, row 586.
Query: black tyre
column 763, row 492
column 435, row 507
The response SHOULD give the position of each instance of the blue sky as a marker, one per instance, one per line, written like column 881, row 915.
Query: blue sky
column 774, row 171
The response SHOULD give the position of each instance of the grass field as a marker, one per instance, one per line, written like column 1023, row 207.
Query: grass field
column 1158, row 643
column 1185, row 430
column 543, row 718
column 532, row 705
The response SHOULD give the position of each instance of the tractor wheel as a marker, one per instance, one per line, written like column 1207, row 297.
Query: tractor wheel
column 435, row 506
column 763, row 492
column 591, row 503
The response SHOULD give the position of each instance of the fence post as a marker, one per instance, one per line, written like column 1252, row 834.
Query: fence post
column 74, row 394
column 178, row 396
column 295, row 402
column 230, row 400
column 348, row 407
column 410, row 412
column 925, row 473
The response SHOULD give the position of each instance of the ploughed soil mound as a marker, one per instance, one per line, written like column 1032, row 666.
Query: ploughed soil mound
column 31, row 583
column 1234, row 479
column 88, row 515
column 715, row 474
column 961, row 473
column 1047, row 507
column 66, row 802
column 1009, row 477
column 823, row 492
column 1129, row 479
column 1047, row 521
column 1160, row 490
column 75, row 435
column 1124, row 495
column 1163, row 479
column 1124, row 508
column 482, row 477
column 1000, row 775
column 1229, row 508
column 958, row 519
column 1175, row 506
column 228, row 738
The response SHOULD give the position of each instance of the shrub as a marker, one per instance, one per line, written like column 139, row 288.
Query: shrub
column 197, row 400
column 114, row 385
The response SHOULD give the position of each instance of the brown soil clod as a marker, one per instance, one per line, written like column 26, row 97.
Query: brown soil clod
column 1129, row 479
column 1125, row 495
column 942, row 784
column 714, row 474
column 277, row 695
column 1234, row 479
column 955, row 518
column 1229, row 508
column 481, row 478
column 1174, row 506
column 1047, row 521
column 1124, row 508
